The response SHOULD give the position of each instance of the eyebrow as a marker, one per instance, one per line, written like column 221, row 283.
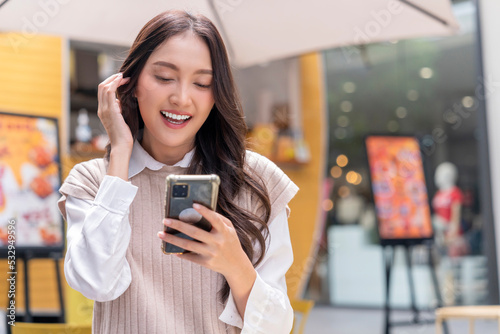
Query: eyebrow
column 175, row 68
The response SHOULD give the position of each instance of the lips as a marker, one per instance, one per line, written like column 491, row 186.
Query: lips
column 175, row 118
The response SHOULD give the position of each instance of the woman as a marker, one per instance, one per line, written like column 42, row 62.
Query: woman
column 177, row 112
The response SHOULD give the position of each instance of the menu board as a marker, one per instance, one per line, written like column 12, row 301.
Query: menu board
column 399, row 189
column 29, row 183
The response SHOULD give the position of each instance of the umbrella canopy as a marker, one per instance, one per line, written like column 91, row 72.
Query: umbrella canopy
column 255, row 31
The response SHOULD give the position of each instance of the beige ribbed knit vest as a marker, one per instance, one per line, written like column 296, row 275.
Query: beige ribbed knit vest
column 167, row 294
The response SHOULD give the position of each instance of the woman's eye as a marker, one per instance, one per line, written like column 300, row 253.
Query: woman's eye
column 162, row 79
column 202, row 86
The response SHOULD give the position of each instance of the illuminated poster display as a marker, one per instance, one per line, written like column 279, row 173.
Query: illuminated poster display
column 399, row 189
column 29, row 182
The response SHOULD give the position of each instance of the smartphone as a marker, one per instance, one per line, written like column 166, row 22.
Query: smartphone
column 181, row 192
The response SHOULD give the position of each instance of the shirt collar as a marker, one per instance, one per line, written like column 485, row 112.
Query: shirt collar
column 141, row 159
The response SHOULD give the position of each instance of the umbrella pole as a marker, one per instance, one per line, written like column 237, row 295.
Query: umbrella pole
column 220, row 24
column 425, row 12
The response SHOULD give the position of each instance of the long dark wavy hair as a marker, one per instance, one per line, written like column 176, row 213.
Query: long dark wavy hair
column 220, row 142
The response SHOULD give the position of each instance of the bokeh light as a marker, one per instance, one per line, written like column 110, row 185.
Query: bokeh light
column 343, row 121
column 468, row 101
column 346, row 106
column 342, row 160
column 340, row 133
column 344, row 191
column 401, row 112
column 426, row 72
column 412, row 95
column 351, row 177
column 336, row 172
column 327, row 205
column 349, row 87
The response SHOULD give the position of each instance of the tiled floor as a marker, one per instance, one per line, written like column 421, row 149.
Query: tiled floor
column 331, row 320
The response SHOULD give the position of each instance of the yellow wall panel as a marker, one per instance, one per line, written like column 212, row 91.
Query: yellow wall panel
column 305, row 218
column 31, row 75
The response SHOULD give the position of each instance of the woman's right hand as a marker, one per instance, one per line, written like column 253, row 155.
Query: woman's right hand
column 110, row 114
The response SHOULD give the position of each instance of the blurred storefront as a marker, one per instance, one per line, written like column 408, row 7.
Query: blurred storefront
column 431, row 88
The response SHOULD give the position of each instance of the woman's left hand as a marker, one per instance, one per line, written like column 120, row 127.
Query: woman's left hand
column 219, row 250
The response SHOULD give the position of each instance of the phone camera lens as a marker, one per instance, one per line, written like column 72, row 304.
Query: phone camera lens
column 180, row 190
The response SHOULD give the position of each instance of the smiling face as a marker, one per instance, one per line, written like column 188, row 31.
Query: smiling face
column 174, row 93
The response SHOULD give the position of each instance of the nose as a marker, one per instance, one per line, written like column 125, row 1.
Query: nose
column 180, row 97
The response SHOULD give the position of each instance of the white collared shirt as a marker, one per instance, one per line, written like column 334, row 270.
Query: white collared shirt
column 89, row 263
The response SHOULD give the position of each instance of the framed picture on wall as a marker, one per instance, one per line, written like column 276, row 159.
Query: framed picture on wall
column 29, row 182
column 399, row 189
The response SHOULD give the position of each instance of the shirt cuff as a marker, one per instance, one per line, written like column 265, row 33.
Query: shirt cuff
column 230, row 315
column 115, row 194
column 261, row 304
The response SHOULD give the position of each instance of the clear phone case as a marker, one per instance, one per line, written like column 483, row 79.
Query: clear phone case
column 182, row 191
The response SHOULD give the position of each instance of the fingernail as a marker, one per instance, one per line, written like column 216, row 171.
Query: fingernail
column 160, row 234
column 196, row 206
column 120, row 74
column 167, row 221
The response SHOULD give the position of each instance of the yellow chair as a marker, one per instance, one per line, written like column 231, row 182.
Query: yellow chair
column 31, row 328
column 301, row 309
column 467, row 312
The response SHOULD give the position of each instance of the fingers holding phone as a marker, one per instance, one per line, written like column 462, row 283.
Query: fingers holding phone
column 218, row 249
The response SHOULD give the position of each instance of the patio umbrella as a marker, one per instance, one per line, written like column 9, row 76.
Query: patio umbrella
column 255, row 31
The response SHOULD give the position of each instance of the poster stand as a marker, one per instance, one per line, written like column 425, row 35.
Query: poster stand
column 388, row 253
column 29, row 316
column 399, row 189
column 30, row 224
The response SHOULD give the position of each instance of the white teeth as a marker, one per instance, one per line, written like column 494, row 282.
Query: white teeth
column 175, row 116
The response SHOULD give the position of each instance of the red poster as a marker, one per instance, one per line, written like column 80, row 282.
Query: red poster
column 29, row 182
column 399, row 188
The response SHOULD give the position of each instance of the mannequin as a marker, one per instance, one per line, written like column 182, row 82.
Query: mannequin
column 447, row 204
